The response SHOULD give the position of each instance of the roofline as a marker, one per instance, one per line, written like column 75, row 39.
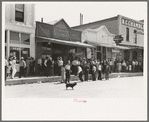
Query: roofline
column 95, row 22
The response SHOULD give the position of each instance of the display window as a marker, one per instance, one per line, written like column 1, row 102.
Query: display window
column 14, row 37
column 25, row 39
column 25, row 52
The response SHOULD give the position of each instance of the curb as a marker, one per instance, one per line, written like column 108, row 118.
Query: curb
column 57, row 78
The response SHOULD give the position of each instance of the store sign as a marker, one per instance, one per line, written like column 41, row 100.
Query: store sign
column 14, row 48
column 132, row 23
column 61, row 31
column 118, row 39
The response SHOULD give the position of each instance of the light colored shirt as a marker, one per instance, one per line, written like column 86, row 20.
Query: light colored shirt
column 40, row 62
column 6, row 63
column 60, row 62
column 133, row 63
column 45, row 62
column 13, row 64
column 79, row 69
column 99, row 67
column 110, row 63
column 136, row 62
column 74, row 62
column 67, row 67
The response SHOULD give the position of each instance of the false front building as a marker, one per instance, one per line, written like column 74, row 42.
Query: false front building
column 101, row 34
column 58, row 39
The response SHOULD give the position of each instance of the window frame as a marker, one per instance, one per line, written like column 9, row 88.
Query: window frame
column 127, row 34
column 19, row 11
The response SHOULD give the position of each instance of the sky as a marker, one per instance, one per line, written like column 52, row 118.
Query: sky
column 92, row 11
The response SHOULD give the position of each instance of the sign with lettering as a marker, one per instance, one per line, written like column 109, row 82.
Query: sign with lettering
column 118, row 39
column 132, row 23
column 61, row 31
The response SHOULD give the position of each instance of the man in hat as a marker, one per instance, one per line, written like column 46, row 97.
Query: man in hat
column 22, row 67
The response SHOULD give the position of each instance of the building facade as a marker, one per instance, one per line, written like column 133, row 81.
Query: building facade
column 132, row 32
column 19, row 30
column 58, row 39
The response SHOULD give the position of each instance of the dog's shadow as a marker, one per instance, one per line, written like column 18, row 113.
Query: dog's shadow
column 68, row 89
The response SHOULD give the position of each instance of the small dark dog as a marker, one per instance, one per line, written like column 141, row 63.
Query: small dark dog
column 70, row 85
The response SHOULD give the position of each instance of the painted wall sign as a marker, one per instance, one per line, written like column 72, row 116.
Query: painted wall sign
column 132, row 23
column 61, row 31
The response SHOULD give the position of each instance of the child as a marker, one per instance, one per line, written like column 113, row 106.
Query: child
column 63, row 73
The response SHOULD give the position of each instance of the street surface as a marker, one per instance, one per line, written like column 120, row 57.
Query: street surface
column 128, row 87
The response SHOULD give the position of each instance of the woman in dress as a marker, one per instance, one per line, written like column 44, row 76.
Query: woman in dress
column 13, row 67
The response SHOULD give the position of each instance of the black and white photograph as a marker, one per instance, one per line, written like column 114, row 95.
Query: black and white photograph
column 74, row 60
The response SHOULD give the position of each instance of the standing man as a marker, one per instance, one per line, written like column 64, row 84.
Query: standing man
column 80, row 73
column 68, row 72
column 133, row 66
column 27, row 66
column 86, row 71
column 39, row 66
column 107, row 71
column 99, row 70
column 111, row 65
column 6, row 65
column 136, row 65
column 22, row 67
column 60, row 64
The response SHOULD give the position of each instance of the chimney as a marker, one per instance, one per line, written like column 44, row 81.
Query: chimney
column 41, row 19
column 81, row 19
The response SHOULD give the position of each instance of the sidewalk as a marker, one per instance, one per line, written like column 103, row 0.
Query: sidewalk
column 43, row 79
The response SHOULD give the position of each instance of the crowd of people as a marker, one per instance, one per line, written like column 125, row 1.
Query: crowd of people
column 79, row 67
column 27, row 67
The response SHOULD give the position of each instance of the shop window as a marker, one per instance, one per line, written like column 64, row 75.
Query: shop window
column 127, row 34
column 99, row 55
column 104, row 53
column 134, row 55
column 98, row 48
column 14, row 37
column 126, row 55
column 15, row 51
column 25, row 38
column 19, row 12
column 135, row 36
column 25, row 52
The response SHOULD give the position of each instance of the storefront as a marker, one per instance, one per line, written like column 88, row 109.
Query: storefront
column 105, row 46
column 58, row 39
column 132, row 31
